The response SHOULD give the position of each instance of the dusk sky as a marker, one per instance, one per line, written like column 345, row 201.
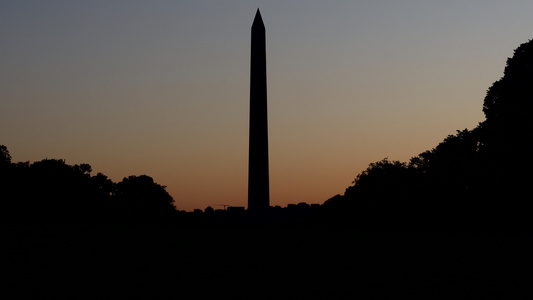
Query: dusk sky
column 162, row 87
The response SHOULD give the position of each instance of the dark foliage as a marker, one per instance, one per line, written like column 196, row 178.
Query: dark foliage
column 476, row 177
column 143, row 199
column 5, row 157
column 52, row 192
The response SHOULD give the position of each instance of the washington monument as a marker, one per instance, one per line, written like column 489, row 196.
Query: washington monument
column 258, row 183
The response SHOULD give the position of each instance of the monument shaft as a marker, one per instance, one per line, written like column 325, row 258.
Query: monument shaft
column 258, row 178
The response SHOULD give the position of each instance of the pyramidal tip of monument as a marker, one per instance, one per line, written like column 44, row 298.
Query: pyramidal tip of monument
column 258, row 19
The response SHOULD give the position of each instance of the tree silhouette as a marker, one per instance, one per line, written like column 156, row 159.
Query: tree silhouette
column 52, row 192
column 387, row 192
column 507, row 132
column 508, row 101
column 143, row 200
column 475, row 176
column 383, row 179
column 102, row 186
column 453, row 167
column 5, row 157
column 58, row 192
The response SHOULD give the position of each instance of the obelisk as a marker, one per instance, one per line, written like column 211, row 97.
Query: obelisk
column 258, row 183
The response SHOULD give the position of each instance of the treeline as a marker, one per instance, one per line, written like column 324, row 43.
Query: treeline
column 477, row 178
column 52, row 192
column 480, row 177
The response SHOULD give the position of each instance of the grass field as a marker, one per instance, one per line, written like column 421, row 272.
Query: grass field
column 261, row 262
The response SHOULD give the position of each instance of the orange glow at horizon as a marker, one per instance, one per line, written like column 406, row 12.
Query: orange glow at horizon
column 162, row 89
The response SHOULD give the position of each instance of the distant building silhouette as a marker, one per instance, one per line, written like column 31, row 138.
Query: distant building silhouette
column 235, row 209
column 258, row 178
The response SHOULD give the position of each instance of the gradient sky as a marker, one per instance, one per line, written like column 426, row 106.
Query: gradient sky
column 162, row 87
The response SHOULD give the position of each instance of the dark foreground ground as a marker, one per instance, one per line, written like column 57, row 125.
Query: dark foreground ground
column 261, row 262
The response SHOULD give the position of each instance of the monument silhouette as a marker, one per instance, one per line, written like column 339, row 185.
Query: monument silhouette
column 258, row 181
